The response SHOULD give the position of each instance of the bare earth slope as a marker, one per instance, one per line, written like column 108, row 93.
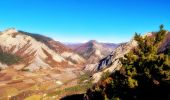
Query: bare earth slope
column 45, row 65
column 37, row 51
column 93, row 51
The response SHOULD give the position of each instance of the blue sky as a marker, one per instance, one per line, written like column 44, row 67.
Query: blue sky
column 82, row 20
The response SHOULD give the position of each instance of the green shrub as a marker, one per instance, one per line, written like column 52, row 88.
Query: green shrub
column 8, row 58
column 105, row 75
column 84, row 77
column 26, row 70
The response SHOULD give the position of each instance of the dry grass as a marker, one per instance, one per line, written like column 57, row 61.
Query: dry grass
column 33, row 97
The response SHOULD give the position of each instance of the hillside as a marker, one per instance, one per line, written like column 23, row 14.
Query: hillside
column 58, row 47
column 144, row 72
column 74, row 46
column 93, row 51
column 33, row 64
column 38, row 51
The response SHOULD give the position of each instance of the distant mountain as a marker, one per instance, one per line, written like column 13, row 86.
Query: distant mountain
column 74, row 46
column 111, row 45
column 93, row 51
column 36, row 51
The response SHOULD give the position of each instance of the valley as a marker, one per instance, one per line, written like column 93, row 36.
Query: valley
column 15, row 83
column 36, row 66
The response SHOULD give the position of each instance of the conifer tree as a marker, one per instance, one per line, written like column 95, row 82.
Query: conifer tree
column 145, row 74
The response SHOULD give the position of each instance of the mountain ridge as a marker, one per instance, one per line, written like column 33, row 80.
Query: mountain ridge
column 43, row 53
column 93, row 50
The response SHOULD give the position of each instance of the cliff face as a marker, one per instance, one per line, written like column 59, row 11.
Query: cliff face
column 111, row 62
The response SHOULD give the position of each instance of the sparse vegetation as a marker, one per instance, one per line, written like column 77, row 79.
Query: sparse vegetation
column 24, row 69
column 72, row 90
column 105, row 75
column 84, row 82
column 11, row 91
column 85, row 77
column 8, row 58
column 34, row 97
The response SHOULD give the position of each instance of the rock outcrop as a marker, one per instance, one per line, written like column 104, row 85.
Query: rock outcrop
column 111, row 62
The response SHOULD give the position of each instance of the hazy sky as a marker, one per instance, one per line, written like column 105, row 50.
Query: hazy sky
column 83, row 20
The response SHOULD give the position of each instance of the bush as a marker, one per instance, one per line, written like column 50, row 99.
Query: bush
column 9, row 59
column 84, row 77
column 26, row 70
column 105, row 75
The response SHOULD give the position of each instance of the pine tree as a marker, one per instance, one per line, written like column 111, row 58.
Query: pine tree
column 145, row 74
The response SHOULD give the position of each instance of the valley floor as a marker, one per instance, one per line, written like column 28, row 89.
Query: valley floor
column 44, row 84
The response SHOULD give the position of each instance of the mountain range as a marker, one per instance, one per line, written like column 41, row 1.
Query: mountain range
column 39, row 51
column 92, row 50
column 32, row 60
